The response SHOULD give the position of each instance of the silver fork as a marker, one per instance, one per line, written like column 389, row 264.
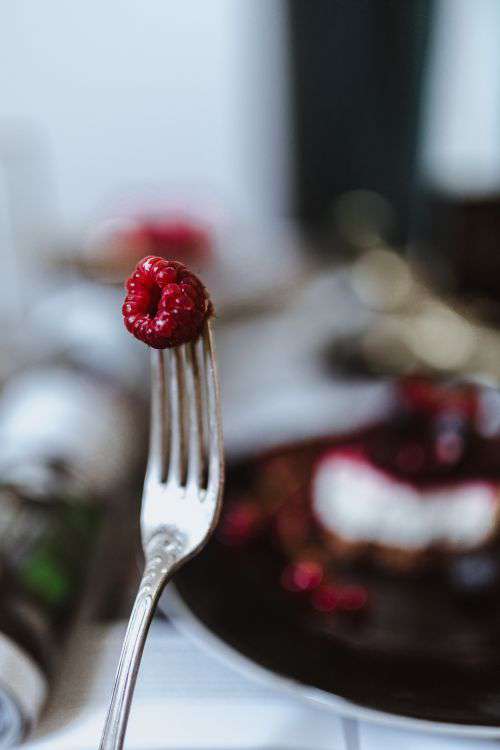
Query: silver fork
column 181, row 497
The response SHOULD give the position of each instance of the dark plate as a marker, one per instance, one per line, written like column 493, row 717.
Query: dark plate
column 358, row 667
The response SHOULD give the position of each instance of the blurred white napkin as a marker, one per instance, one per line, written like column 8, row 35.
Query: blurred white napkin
column 188, row 701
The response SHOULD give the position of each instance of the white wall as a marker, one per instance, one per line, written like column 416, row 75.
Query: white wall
column 126, row 92
column 461, row 143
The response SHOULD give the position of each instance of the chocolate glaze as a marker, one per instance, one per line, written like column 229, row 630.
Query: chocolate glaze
column 428, row 646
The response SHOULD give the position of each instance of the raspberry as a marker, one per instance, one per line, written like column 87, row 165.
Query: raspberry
column 326, row 598
column 166, row 305
column 240, row 523
column 330, row 597
column 426, row 396
column 304, row 575
column 352, row 598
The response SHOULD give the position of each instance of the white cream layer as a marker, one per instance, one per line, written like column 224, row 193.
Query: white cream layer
column 355, row 500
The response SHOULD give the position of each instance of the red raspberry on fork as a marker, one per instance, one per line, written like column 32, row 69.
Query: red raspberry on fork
column 166, row 305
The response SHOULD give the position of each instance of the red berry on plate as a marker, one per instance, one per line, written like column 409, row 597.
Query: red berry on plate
column 326, row 598
column 239, row 523
column 304, row 575
column 352, row 598
column 166, row 305
column 339, row 598
column 426, row 396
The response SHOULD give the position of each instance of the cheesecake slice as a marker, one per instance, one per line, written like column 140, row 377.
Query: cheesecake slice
column 365, row 510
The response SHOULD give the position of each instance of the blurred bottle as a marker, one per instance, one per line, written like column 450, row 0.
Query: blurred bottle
column 67, row 444
column 47, row 539
column 357, row 71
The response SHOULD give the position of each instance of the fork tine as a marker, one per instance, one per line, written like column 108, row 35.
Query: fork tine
column 215, row 455
column 176, row 412
column 157, row 422
column 194, row 399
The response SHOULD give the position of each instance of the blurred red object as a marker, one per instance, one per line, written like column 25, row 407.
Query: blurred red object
column 175, row 239
column 116, row 245
column 421, row 394
column 303, row 575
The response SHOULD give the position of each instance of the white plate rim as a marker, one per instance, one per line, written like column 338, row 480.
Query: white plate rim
column 183, row 618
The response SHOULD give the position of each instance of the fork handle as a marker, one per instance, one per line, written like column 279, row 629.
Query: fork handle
column 162, row 558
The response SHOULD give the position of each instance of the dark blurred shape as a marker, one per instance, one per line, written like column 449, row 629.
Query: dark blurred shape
column 412, row 327
column 66, row 448
column 362, row 219
column 465, row 236
column 357, row 75
column 48, row 536
column 475, row 575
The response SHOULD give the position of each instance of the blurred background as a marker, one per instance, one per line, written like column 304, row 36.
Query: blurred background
column 331, row 169
column 379, row 115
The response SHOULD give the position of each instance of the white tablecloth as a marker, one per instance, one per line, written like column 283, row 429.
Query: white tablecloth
column 186, row 700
